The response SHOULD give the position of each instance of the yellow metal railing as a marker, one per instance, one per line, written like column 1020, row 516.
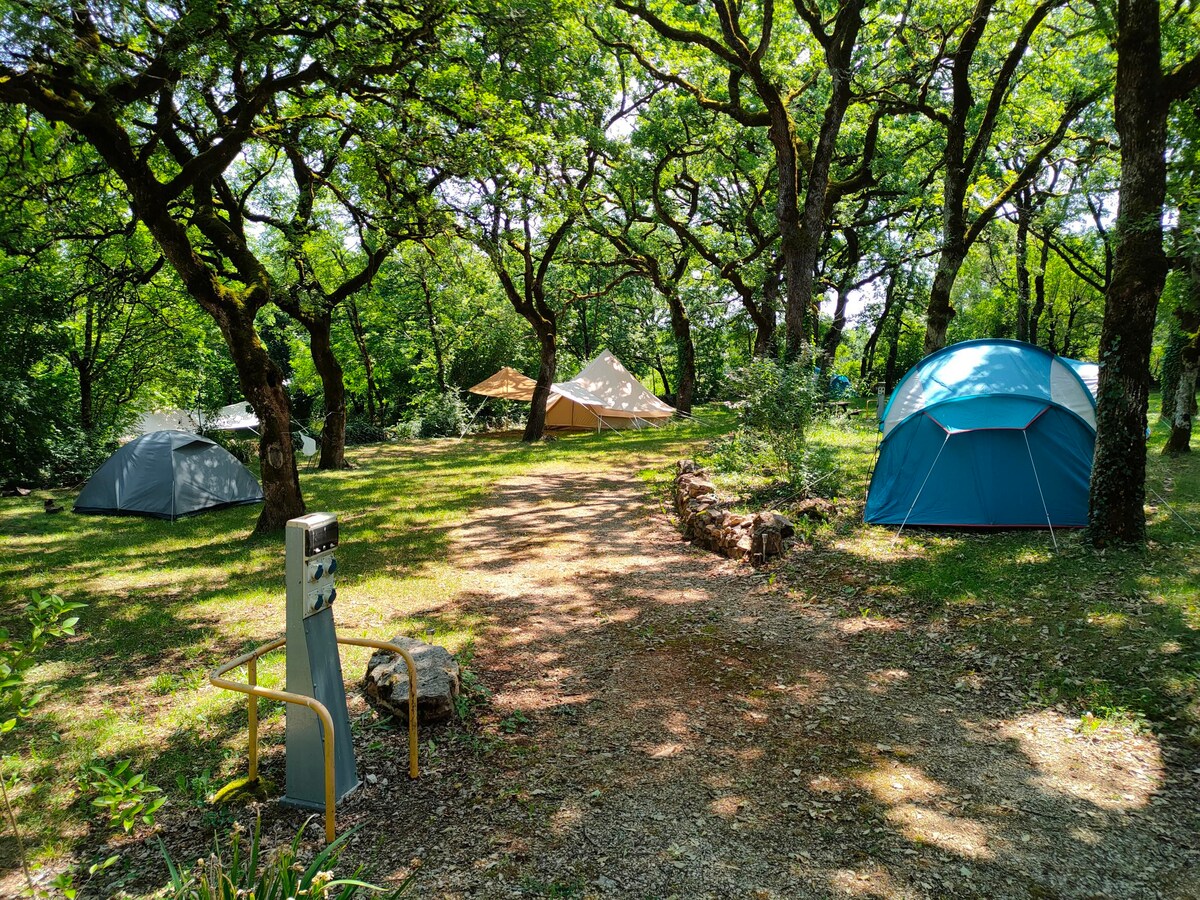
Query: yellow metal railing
column 251, row 688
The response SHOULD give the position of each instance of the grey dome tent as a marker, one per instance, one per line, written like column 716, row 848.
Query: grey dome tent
column 168, row 474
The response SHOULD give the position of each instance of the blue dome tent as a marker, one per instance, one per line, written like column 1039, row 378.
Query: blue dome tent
column 986, row 433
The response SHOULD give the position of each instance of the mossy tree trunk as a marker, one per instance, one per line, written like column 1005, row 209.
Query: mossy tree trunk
column 1116, row 512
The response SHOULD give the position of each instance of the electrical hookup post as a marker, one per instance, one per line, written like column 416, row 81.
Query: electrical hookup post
column 319, row 749
column 314, row 667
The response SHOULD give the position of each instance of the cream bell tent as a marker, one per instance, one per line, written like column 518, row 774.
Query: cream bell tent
column 603, row 395
column 507, row 384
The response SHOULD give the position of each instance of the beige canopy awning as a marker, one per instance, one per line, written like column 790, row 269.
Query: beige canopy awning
column 507, row 384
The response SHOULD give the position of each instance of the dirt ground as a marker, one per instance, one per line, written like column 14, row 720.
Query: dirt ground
column 666, row 723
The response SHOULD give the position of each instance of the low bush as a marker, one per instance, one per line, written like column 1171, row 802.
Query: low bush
column 443, row 415
column 243, row 872
column 776, row 403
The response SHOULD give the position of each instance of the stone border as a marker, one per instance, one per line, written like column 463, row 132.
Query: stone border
column 709, row 522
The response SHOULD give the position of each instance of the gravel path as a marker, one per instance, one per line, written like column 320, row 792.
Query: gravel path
column 660, row 722
column 665, row 723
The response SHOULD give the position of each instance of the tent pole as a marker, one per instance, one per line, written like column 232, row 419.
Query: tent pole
column 920, row 489
column 1038, row 481
column 478, row 410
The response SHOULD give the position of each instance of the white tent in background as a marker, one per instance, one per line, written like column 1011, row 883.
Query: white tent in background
column 234, row 417
column 237, row 416
column 1088, row 372
column 603, row 395
column 163, row 420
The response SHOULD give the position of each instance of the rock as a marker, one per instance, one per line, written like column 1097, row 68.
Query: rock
column 709, row 522
column 815, row 508
column 766, row 545
column 773, row 521
column 438, row 681
column 697, row 487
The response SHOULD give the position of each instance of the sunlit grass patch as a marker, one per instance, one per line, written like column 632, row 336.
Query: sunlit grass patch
column 168, row 601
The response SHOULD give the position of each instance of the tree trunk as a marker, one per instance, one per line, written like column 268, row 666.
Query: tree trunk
column 433, row 334
column 1117, row 505
column 889, row 372
column 782, row 135
column 939, row 312
column 1024, row 211
column 262, row 384
column 535, row 425
column 364, row 354
column 1180, row 439
column 955, row 178
column 658, row 367
column 1039, row 293
column 1171, row 367
column 867, row 366
column 87, row 415
column 84, row 363
column 685, row 350
column 803, row 296
column 763, row 316
column 833, row 337
column 333, row 386
column 804, row 248
column 1183, row 399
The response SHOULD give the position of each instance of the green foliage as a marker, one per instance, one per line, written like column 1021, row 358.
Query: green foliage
column 48, row 616
column 474, row 693
column 776, row 403
column 244, row 872
column 443, row 415
column 739, row 451
column 126, row 797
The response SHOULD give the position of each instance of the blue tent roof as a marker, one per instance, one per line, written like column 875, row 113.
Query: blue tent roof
column 986, row 433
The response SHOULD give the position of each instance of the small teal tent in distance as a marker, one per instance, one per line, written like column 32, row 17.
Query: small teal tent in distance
column 986, row 433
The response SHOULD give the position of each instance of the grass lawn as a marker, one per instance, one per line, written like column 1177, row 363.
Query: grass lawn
column 167, row 602
column 1109, row 638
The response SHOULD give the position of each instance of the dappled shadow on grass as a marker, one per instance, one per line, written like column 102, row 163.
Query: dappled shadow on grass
column 855, row 722
column 861, row 720
column 168, row 601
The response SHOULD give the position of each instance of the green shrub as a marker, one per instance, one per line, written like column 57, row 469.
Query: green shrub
column 125, row 796
column 406, row 430
column 744, row 452
column 361, row 431
column 444, row 415
column 75, row 455
column 48, row 616
column 776, row 402
column 244, row 872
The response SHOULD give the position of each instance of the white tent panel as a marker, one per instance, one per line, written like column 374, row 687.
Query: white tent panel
column 163, row 420
column 234, row 417
column 620, row 392
column 1065, row 389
